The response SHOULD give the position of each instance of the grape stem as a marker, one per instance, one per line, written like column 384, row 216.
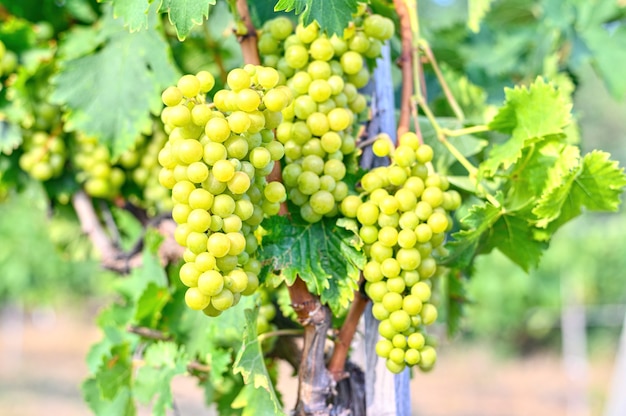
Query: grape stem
column 149, row 333
column 280, row 333
column 481, row 128
column 458, row 112
column 247, row 40
column 410, row 8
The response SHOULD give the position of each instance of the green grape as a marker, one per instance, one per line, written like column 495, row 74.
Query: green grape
column 195, row 299
column 210, row 282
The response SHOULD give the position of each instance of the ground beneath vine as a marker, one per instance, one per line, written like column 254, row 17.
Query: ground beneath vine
column 42, row 365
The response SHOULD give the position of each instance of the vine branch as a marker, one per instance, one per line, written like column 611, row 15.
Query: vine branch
column 405, row 61
column 337, row 363
column 111, row 256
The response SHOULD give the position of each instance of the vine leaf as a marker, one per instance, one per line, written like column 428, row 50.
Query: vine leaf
column 184, row 14
column 322, row 254
column 162, row 362
column 333, row 16
column 529, row 115
column 115, row 371
column 133, row 12
column 477, row 222
column 251, row 364
column 111, row 93
column 544, row 167
column 514, row 236
column 122, row 404
column 596, row 185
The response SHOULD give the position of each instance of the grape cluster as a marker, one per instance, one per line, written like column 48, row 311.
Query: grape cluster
column 99, row 176
column 324, row 74
column 216, row 162
column 44, row 155
column 402, row 217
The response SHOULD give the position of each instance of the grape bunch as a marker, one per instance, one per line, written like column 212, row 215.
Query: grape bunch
column 98, row 174
column 44, row 155
column 403, row 217
column 216, row 161
column 324, row 74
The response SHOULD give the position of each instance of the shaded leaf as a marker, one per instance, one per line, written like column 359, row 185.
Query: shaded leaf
column 477, row 222
column 322, row 254
column 250, row 363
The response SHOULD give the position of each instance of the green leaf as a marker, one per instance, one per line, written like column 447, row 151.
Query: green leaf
column 115, row 371
column 542, row 168
column 298, row 6
column 151, row 302
column 134, row 13
column 596, row 185
column 529, row 115
column 10, row 137
column 120, row 405
column 251, row 364
column 162, row 362
column 111, row 93
column 514, row 237
column 254, row 402
column 322, row 254
column 477, row 10
column 184, row 14
column 456, row 298
column 600, row 183
column 477, row 222
column 559, row 179
column 333, row 16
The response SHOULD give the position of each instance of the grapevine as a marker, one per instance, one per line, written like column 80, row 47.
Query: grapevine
column 266, row 189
